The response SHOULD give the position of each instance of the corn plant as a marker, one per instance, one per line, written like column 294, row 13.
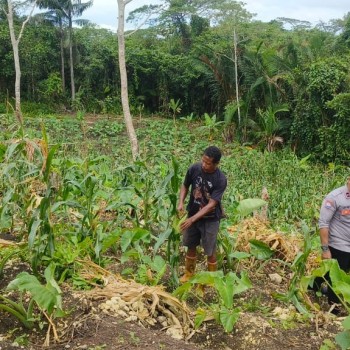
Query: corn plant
column 171, row 234
column 7, row 254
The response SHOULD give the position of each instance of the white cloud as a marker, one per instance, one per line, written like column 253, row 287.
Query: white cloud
column 312, row 10
column 105, row 12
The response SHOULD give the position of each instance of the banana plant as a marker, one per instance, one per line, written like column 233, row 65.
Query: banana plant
column 211, row 124
column 175, row 107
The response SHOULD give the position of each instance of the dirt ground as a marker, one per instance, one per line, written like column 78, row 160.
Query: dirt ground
column 264, row 323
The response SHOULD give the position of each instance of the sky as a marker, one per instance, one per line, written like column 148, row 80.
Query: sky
column 104, row 12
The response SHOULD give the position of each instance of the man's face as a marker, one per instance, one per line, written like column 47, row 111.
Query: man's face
column 208, row 164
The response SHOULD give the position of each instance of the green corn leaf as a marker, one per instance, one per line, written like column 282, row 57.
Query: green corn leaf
column 49, row 162
column 33, row 228
column 162, row 238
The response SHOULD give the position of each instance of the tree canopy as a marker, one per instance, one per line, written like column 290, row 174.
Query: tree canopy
column 208, row 55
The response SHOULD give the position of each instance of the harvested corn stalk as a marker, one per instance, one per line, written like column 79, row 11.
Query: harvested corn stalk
column 135, row 301
column 5, row 243
column 286, row 246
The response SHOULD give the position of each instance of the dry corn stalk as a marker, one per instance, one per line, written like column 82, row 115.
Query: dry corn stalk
column 6, row 243
column 135, row 301
column 285, row 246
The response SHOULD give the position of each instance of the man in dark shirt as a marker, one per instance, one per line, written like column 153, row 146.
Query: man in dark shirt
column 206, row 184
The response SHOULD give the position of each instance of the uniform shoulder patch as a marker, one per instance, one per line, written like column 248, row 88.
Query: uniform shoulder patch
column 329, row 203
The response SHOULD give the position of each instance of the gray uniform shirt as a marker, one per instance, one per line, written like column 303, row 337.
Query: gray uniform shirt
column 335, row 214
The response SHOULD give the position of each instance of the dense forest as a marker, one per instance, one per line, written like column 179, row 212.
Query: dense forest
column 91, row 240
column 282, row 83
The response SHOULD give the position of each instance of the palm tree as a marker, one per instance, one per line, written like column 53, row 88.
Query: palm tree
column 56, row 18
column 66, row 10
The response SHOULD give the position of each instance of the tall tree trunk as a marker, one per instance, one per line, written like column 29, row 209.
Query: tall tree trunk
column 236, row 77
column 124, row 80
column 70, row 33
column 15, row 43
column 63, row 79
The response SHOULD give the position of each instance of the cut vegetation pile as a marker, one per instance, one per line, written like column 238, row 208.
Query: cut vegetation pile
column 149, row 305
column 286, row 247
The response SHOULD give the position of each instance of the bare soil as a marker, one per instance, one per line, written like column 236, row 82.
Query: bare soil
column 264, row 323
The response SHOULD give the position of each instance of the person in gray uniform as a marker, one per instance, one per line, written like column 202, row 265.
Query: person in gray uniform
column 334, row 225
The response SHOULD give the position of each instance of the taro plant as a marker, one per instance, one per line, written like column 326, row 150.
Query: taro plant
column 339, row 278
column 340, row 281
column 46, row 297
column 343, row 338
column 227, row 287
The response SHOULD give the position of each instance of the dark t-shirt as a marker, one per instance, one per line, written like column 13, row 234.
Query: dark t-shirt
column 205, row 186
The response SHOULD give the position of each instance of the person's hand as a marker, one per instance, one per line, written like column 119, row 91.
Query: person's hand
column 326, row 255
column 186, row 224
column 180, row 208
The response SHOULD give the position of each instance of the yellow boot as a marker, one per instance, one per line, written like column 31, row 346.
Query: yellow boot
column 201, row 287
column 212, row 266
column 190, row 267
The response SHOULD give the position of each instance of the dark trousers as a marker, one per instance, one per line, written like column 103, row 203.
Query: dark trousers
column 343, row 259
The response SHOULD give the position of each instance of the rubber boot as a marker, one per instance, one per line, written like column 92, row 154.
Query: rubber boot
column 201, row 287
column 190, row 267
column 212, row 266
